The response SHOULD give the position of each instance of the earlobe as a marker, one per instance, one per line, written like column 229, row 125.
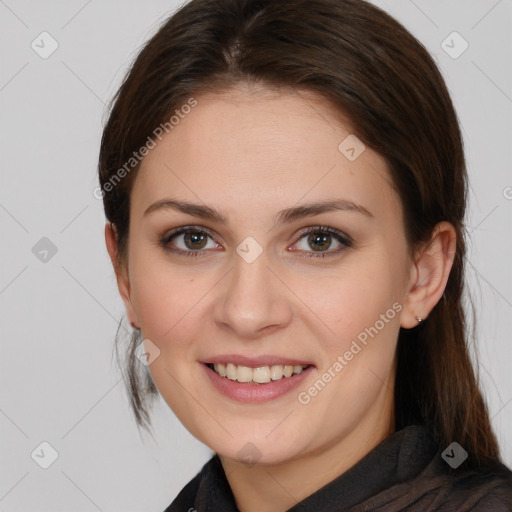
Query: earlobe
column 432, row 266
column 123, row 282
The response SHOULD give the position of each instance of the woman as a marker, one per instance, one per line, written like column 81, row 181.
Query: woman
column 285, row 189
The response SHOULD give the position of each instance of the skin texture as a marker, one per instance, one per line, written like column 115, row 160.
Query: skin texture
column 250, row 154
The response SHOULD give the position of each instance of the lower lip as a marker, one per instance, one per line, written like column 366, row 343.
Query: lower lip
column 256, row 393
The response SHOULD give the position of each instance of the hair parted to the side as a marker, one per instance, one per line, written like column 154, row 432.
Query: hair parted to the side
column 385, row 82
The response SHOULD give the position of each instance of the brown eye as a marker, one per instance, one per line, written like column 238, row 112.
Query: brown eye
column 195, row 240
column 320, row 239
column 188, row 241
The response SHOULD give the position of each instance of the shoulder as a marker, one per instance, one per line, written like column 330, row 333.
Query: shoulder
column 482, row 489
column 186, row 499
column 486, row 488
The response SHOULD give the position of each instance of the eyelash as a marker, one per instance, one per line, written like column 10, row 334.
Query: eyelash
column 343, row 239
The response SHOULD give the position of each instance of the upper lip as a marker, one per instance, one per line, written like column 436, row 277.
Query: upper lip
column 255, row 362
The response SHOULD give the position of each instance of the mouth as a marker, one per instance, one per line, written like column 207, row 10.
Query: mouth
column 256, row 376
column 255, row 380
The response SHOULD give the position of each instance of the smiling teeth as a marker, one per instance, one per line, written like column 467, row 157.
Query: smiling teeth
column 260, row 375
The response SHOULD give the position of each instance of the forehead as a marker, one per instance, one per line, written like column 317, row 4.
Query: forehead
column 249, row 146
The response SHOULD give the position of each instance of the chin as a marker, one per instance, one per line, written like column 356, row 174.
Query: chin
column 256, row 450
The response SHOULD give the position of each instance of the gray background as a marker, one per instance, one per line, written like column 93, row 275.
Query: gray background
column 59, row 381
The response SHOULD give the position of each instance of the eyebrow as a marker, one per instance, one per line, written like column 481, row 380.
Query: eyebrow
column 284, row 216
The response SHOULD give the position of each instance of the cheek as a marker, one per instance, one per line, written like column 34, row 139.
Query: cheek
column 165, row 297
column 349, row 303
column 171, row 314
column 358, row 352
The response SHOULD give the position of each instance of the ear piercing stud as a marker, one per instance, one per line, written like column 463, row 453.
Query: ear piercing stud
column 419, row 319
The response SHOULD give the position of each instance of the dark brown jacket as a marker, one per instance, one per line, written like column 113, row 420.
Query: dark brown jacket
column 404, row 472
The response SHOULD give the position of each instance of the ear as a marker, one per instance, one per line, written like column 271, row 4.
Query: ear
column 429, row 274
column 123, row 282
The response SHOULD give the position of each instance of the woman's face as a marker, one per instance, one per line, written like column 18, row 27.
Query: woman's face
column 255, row 281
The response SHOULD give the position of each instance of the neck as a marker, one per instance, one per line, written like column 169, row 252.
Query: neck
column 278, row 487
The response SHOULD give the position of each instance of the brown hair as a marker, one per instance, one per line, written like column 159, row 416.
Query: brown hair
column 377, row 74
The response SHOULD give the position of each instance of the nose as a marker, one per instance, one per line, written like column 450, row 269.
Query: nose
column 252, row 300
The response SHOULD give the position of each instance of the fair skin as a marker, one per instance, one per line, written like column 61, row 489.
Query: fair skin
column 250, row 154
